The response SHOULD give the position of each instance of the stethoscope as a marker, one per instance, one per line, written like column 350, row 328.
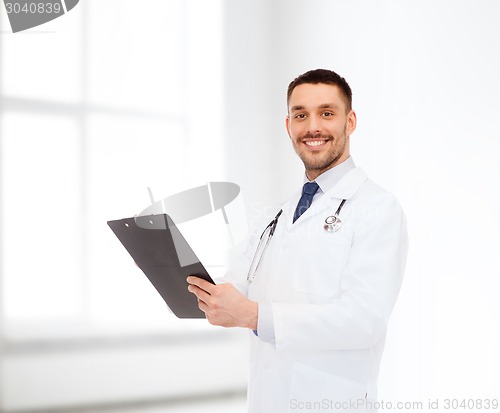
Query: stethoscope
column 332, row 224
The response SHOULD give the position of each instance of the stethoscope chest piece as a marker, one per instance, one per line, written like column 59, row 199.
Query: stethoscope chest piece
column 332, row 223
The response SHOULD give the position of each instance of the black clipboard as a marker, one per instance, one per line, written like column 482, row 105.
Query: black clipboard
column 161, row 252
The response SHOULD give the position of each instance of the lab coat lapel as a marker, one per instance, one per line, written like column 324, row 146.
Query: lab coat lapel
column 345, row 189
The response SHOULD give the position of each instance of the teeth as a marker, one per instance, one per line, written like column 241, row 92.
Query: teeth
column 314, row 143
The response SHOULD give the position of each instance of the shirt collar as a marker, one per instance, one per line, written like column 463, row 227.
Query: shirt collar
column 328, row 179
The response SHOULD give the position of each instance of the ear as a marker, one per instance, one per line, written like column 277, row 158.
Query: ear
column 351, row 122
column 287, row 124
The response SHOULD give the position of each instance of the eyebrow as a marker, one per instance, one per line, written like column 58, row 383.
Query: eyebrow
column 328, row 105
column 322, row 106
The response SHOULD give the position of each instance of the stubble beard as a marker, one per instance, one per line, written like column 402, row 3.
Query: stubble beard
column 320, row 164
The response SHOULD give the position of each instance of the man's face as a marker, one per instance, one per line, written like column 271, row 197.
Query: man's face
column 319, row 126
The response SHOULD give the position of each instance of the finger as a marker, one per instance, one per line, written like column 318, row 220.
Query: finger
column 203, row 307
column 202, row 295
column 201, row 283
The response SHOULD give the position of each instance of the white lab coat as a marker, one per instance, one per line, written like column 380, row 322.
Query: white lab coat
column 331, row 295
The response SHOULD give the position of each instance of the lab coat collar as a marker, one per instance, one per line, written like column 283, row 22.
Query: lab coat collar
column 328, row 179
column 344, row 189
column 348, row 185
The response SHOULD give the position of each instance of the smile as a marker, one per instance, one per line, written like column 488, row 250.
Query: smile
column 315, row 143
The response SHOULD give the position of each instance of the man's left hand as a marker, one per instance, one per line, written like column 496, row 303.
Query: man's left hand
column 223, row 304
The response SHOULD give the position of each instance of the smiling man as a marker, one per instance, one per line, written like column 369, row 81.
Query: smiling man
column 317, row 288
column 319, row 124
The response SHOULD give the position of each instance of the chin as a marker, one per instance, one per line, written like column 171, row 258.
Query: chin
column 320, row 166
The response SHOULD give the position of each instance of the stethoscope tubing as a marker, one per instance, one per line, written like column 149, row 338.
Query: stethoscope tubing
column 332, row 223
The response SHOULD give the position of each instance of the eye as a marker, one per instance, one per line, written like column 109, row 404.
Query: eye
column 300, row 116
column 327, row 114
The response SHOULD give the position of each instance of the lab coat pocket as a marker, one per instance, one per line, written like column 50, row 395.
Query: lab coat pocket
column 313, row 390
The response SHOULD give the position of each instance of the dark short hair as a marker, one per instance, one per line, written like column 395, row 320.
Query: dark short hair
column 322, row 76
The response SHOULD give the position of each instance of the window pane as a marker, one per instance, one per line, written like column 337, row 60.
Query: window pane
column 40, row 217
column 46, row 62
column 124, row 157
column 136, row 65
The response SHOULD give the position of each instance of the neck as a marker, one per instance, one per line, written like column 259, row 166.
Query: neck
column 312, row 174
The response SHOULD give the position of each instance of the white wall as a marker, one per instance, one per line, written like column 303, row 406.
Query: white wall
column 424, row 78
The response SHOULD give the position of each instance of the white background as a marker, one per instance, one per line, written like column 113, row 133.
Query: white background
column 121, row 87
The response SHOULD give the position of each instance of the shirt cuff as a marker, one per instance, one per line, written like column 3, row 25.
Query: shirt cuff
column 265, row 322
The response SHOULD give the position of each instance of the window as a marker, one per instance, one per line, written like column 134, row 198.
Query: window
column 98, row 105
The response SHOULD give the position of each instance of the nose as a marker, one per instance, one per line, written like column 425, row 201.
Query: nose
column 314, row 125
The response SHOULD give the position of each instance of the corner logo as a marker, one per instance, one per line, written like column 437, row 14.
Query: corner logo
column 30, row 13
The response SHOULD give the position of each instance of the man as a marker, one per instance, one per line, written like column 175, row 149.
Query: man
column 319, row 295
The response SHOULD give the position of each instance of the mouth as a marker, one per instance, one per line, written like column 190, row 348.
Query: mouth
column 315, row 143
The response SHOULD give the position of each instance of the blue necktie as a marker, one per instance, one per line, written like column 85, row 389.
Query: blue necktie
column 305, row 200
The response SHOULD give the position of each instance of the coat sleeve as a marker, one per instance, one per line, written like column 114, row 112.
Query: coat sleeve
column 358, row 316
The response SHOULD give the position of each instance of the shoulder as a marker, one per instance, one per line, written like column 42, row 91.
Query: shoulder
column 371, row 189
column 374, row 196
